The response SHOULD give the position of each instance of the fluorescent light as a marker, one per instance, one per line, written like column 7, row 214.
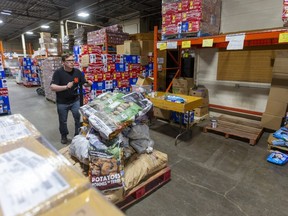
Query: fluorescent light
column 45, row 26
column 5, row 13
column 83, row 14
column 1, row 21
column 29, row 32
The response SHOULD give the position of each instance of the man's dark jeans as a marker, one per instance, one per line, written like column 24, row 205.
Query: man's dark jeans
column 63, row 110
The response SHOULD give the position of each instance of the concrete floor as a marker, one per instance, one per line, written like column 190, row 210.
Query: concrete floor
column 211, row 175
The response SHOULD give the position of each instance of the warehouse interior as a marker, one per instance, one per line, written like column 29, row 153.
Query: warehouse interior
column 218, row 97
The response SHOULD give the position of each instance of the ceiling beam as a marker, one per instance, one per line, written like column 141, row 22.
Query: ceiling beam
column 61, row 15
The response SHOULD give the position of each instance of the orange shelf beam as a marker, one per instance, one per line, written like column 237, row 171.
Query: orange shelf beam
column 269, row 34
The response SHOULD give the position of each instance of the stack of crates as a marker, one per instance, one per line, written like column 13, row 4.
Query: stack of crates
column 4, row 98
column 30, row 75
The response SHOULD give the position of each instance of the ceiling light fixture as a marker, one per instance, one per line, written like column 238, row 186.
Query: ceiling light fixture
column 6, row 12
column 29, row 32
column 1, row 21
column 45, row 26
column 83, row 14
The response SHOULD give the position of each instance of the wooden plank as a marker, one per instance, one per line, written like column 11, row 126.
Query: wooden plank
column 233, row 132
column 279, row 148
column 241, row 121
column 239, row 127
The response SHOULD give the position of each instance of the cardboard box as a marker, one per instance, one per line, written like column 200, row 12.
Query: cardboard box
column 161, row 113
column 146, row 46
column 201, row 111
column 199, row 92
column 281, row 62
column 205, row 102
column 271, row 122
column 144, row 81
column 15, row 127
column 90, row 202
column 132, row 47
column 183, row 84
column 276, row 108
column 45, row 35
column 278, row 93
column 143, row 36
column 144, row 60
column 120, row 49
column 179, row 90
column 42, row 181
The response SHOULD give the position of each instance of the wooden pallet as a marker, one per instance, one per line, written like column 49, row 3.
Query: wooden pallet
column 272, row 147
column 185, row 35
column 30, row 85
column 278, row 148
column 237, row 127
column 146, row 187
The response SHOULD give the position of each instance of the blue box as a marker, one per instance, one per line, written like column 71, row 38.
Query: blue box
column 114, row 83
column 3, row 83
column 4, row 104
column 131, row 59
column 133, row 81
column 184, row 27
column 100, row 85
column 184, row 116
column 2, row 74
column 120, row 67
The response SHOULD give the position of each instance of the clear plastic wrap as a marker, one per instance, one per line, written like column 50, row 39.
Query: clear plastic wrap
column 15, row 127
column 38, row 177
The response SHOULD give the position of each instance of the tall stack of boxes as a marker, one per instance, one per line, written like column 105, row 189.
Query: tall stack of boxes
column 190, row 16
column 110, row 36
column 181, row 86
column 48, row 44
column 29, row 72
column 49, row 65
column 141, row 44
column 107, row 71
column 4, row 98
column 276, row 107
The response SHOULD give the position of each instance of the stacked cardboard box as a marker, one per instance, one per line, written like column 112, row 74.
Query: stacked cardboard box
column 37, row 180
column 112, row 35
column 190, row 16
column 49, row 66
column 203, row 93
column 48, row 44
column 29, row 72
column 106, row 71
column 276, row 107
column 182, row 85
column 4, row 98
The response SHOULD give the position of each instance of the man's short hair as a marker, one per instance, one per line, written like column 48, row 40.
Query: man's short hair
column 64, row 56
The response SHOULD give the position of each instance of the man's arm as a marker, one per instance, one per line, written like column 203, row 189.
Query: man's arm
column 58, row 88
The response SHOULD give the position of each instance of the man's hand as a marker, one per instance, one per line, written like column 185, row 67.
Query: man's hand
column 89, row 82
column 70, row 84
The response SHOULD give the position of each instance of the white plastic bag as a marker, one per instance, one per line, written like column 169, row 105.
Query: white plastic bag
column 79, row 148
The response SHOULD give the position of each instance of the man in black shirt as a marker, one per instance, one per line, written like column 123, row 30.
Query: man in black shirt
column 66, row 82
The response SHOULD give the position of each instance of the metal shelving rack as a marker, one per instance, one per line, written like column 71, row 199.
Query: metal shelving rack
column 252, row 38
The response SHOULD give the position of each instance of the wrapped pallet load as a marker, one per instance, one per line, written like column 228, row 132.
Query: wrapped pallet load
column 115, row 141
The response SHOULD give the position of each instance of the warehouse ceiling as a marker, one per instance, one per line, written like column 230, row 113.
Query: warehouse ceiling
column 20, row 16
